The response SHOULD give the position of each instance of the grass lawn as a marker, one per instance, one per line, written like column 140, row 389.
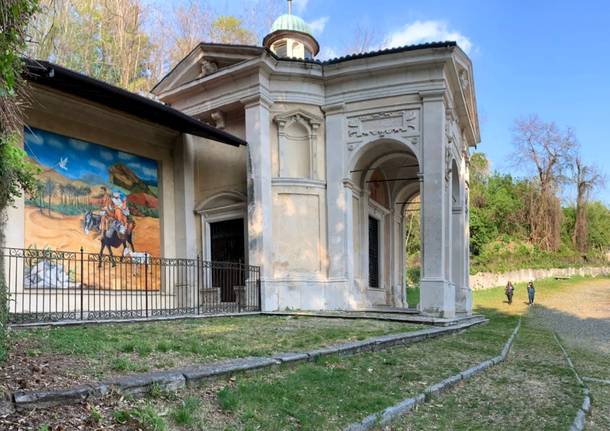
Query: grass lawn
column 326, row 394
column 534, row 389
column 100, row 350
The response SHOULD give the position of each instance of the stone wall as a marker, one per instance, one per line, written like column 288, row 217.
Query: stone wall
column 487, row 280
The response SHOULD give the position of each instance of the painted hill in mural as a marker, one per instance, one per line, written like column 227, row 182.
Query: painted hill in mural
column 120, row 175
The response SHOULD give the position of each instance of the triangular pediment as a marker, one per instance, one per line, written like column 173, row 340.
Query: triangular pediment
column 204, row 60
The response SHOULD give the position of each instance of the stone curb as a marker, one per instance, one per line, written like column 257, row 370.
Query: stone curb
column 138, row 384
column 596, row 380
column 406, row 318
column 131, row 320
column 405, row 406
column 585, row 408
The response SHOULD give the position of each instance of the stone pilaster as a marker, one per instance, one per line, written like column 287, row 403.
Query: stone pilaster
column 437, row 293
column 260, row 204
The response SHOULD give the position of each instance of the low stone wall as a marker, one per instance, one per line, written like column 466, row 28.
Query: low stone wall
column 487, row 280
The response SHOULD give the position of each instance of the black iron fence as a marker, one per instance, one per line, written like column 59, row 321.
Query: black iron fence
column 45, row 285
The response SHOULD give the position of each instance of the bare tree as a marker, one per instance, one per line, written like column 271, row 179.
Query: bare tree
column 547, row 150
column 365, row 38
column 586, row 178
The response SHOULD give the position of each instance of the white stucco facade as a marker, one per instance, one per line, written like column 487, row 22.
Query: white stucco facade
column 333, row 148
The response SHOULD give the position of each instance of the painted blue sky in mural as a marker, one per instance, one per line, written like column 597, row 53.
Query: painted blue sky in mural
column 85, row 161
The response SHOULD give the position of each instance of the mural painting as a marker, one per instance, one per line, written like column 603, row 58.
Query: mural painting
column 98, row 198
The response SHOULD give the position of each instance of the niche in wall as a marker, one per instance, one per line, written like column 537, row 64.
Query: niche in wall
column 297, row 140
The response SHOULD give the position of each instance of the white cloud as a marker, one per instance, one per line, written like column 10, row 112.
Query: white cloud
column 328, row 52
column 126, row 156
column 33, row 138
column 97, row 165
column 318, row 25
column 149, row 172
column 427, row 31
column 79, row 145
column 106, row 155
column 300, row 5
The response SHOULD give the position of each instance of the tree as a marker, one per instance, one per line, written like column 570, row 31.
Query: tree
column 229, row 29
column 16, row 174
column 49, row 189
column 547, row 150
column 104, row 39
column 586, row 178
column 365, row 38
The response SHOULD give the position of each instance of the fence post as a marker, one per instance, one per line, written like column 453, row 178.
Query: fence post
column 198, row 286
column 81, row 284
column 258, row 285
column 146, row 280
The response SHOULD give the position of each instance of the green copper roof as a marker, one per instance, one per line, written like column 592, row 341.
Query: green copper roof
column 291, row 23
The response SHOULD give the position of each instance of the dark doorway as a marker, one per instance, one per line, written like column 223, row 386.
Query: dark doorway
column 227, row 245
column 373, row 252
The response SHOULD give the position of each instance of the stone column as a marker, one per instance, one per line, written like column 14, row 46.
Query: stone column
column 338, row 207
column 335, row 194
column 184, row 198
column 437, row 293
column 260, row 202
column 463, row 293
column 184, row 279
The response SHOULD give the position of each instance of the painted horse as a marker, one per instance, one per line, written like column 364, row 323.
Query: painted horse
column 115, row 234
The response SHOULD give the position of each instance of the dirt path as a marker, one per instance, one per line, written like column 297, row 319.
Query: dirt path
column 580, row 314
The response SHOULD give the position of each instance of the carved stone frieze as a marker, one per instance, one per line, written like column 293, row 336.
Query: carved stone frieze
column 383, row 124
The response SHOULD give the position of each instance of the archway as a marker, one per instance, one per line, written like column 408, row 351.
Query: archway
column 383, row 176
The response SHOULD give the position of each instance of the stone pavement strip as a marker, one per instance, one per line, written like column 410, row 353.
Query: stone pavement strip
column 405, row 406
column 138, row 384
column 579, row 420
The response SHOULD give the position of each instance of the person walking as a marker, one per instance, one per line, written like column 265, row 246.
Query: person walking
column 509, row 292
column 531, row 291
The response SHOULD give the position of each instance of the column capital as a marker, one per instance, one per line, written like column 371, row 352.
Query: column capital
column 334, row 108
column 256, row 100
column 433, row 95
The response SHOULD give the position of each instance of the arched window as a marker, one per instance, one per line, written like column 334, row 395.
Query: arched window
column 281, row 48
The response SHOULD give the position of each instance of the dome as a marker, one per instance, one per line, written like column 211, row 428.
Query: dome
column 291, row 23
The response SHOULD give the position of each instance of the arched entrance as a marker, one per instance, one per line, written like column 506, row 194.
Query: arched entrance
column 384, row 174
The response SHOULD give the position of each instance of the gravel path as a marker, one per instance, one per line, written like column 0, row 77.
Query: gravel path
column 581, row 315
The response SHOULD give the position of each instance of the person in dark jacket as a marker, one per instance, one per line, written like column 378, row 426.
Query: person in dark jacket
column 531, row 291
column 510, row 289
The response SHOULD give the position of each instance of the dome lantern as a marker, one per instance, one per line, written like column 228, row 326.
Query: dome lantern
column 291, row 37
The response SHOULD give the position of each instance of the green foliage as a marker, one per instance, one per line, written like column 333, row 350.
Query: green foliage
column 229, row 29
column 186, row 413
column 16, row 174
column 500, row 233
column 14, row 15
column 142, row 417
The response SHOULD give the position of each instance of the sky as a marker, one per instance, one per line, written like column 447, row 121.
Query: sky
column 543, row 57
column 82, row 160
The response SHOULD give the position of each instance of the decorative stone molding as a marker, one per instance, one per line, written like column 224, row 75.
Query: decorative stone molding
column 311, row 123
column 208, row 67
column 219, row 119
column 384, row 124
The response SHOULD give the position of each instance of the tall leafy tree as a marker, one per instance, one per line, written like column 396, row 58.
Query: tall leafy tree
column 16, row 174
column 585, row 178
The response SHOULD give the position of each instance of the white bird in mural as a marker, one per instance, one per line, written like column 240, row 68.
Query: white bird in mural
column 63, row 163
